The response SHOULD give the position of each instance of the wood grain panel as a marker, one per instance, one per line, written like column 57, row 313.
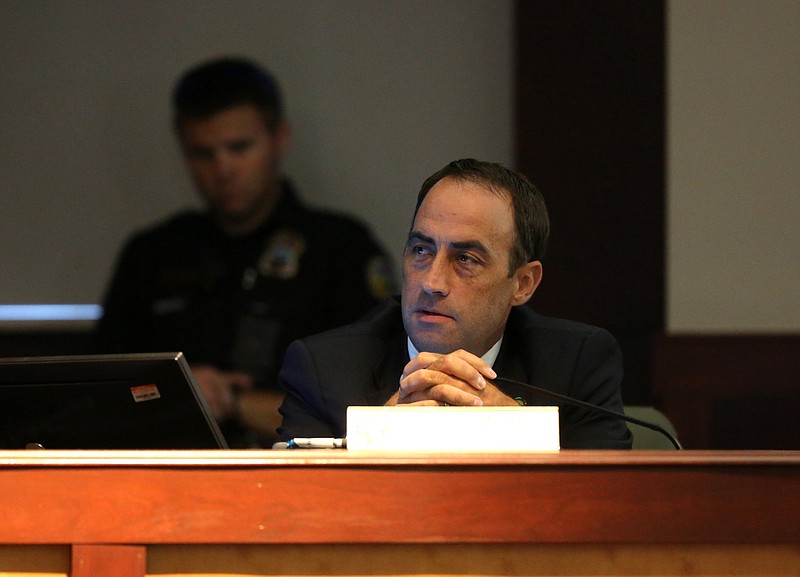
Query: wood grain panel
column 727, row 392
column 273, row 500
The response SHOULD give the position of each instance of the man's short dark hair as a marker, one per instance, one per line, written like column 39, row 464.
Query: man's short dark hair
column 531, row 222
column 222, row 83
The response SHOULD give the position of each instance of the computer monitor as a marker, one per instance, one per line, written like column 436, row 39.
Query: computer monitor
column 132, row 401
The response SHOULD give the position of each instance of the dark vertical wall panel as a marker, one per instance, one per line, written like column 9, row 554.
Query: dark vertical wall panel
column 590, row 121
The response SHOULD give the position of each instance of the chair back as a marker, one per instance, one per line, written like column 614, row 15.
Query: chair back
column 648, row 439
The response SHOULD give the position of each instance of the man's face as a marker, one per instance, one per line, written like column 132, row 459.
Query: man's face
column 235, row 162
column 456, row 290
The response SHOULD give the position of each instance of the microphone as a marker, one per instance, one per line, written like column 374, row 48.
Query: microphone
column 594, row 408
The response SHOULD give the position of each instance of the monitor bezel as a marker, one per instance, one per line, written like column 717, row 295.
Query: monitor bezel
column 168, row 369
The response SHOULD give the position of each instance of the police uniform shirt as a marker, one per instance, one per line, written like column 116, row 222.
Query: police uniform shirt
column 237, row 302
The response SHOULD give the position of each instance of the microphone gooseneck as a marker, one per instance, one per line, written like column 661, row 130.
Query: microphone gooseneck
column 591, row 407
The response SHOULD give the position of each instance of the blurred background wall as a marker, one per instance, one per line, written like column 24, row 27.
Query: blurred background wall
column 380, row 94
column 685, row 114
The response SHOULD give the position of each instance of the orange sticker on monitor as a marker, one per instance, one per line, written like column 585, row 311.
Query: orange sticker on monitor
column 145, row 393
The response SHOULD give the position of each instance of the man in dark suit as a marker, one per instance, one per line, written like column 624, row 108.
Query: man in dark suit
column 471, row 263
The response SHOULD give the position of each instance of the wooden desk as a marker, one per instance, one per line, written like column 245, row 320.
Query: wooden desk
column 338, row 513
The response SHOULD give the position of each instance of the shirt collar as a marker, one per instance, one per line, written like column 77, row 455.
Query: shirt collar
column 489, row 358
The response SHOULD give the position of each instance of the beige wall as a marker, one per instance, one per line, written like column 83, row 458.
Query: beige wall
column 733, row 166
column 381, row 94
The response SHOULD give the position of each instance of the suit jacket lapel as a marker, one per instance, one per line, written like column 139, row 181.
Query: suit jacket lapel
column 386, row 375
column 511, row 363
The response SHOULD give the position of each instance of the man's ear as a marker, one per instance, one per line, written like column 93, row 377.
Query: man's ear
column 528, row 277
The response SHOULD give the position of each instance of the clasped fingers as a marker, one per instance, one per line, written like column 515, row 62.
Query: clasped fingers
column 437, row 387
column 460, row 365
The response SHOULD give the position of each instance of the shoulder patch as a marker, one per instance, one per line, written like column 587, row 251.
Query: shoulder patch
column 380, row 279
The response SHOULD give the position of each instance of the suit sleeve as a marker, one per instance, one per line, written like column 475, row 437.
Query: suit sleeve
column 303, row 409
column 597, row 379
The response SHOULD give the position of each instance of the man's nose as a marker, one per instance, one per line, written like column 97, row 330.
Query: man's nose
column 436, row 277
column 224, row 165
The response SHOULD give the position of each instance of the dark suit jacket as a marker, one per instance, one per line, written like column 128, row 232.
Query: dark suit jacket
column 361, row 364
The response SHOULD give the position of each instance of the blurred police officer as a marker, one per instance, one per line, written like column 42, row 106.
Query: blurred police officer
column 231, row 286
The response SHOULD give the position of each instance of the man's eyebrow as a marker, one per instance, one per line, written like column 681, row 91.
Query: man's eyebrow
column 474, row 245
column 240, row 141
column 417, row 235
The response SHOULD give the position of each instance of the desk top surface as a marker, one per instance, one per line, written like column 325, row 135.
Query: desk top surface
column 340, row 457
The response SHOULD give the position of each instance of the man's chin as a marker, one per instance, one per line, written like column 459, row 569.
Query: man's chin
column 231, row 212
column 433, row 343
column 236, row 220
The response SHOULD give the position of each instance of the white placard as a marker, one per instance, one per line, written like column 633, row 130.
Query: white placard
column 410, row 428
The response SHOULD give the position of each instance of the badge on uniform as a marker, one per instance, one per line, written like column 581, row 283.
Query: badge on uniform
column 281, row 257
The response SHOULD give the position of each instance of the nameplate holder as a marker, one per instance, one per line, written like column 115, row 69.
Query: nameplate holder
column 478, row 429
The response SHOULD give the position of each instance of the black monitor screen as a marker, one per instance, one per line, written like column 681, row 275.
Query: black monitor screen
column 135, row 401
